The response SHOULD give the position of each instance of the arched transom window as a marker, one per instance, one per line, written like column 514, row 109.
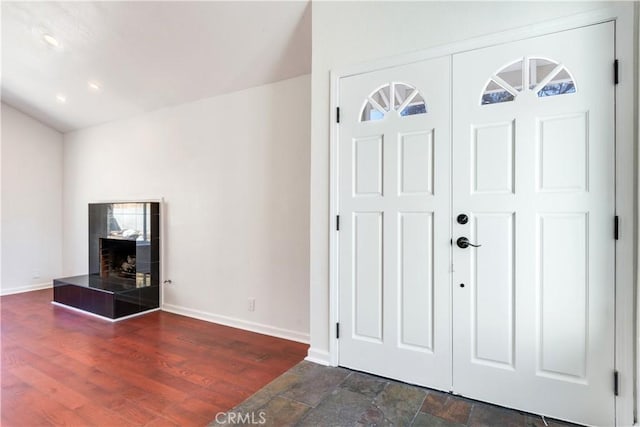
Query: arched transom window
column 543, row 76
column 402, row 98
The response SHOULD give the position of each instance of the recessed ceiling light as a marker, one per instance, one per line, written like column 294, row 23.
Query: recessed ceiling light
column 52, row 41
column 61, row 99
column 45, row 37
column 94, row 86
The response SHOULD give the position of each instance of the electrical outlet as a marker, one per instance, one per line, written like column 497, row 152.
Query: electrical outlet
column 36, row 274
column 252, row 304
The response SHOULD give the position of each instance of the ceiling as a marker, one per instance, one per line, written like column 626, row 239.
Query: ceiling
column 144, row 55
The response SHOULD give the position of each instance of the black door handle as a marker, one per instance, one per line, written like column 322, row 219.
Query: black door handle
column 464, row 243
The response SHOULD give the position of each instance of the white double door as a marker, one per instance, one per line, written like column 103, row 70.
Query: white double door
column 511, row 147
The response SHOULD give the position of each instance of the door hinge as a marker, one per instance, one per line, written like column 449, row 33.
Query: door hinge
column 337, row 222
column 338, row 114
column 616, row 382
column 616, row 78
column 616, row 227
column 338, row 330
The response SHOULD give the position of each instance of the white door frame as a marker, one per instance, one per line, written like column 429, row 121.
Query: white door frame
column 624, row 15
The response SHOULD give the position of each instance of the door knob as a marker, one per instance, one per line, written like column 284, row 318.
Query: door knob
column 463, row 243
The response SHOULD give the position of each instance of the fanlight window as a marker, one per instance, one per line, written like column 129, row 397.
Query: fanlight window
column 542, row 76
column 399, row 97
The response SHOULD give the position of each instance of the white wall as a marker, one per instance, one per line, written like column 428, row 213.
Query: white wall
column 347, row 33
column 234, row 173
column 31, row 219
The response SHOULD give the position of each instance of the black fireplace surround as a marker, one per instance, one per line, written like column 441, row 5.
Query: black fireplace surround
column 124, row 262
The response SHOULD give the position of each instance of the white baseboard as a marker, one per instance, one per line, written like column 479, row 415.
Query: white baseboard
column 28, row 288
column 238, row 323
column 320, row 357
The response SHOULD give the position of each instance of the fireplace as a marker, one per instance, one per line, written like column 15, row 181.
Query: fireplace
column 117, row 258
column 124, row 262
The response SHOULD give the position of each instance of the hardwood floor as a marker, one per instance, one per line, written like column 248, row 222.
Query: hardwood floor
column 161, row 369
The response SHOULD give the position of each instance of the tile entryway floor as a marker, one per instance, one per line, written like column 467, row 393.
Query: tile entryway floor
column 314, row 395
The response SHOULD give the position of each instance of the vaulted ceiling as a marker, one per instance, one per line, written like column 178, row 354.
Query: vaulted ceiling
column 117, row 59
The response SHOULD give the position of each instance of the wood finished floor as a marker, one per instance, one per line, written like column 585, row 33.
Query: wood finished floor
column 161, row 369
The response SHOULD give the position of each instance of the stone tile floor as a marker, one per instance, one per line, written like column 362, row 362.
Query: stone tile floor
column 314, row 395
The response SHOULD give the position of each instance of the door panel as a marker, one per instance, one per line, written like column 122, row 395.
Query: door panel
column 492, row 158
column 562, row 299
column 562, row 152
column 367, row 257
column 533, row 167
column 416, row 281
column 367, row 164
column 394, row 204
column 416, row 168
column 493, row 284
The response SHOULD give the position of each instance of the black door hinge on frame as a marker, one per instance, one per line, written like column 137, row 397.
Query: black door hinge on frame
column 337, row 222
column 616, row 78
column 616, row 227
column 337, row 114
column 616, row 382
column 337, row 330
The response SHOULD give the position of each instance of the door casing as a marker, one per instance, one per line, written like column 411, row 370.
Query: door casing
column 626, row 189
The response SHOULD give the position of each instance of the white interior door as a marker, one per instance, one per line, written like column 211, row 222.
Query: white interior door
column 533, row 169
column 394, row 203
